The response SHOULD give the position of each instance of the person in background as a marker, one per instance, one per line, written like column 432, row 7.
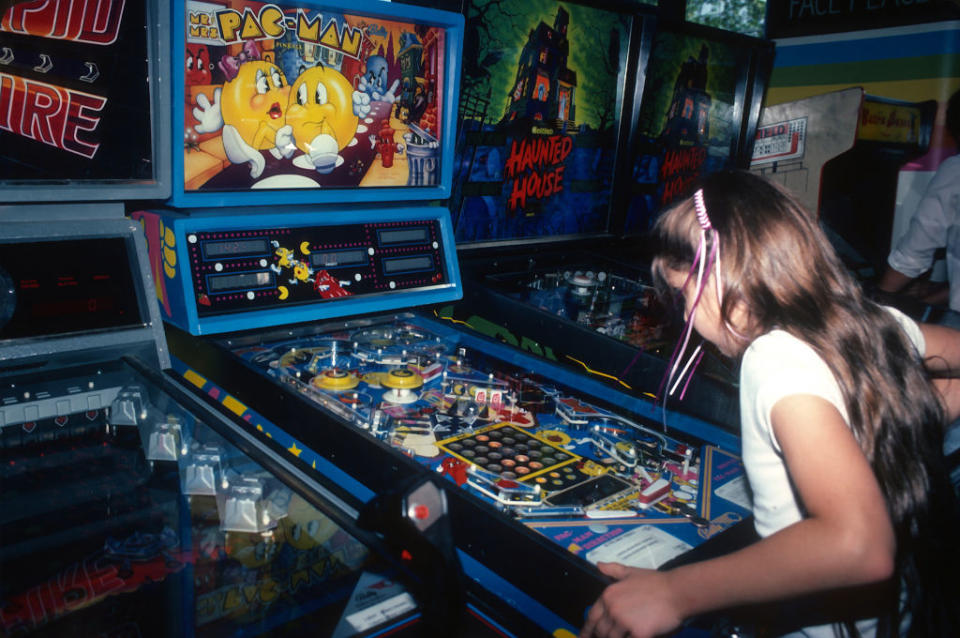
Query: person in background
column 843, row 404
column 935, row 225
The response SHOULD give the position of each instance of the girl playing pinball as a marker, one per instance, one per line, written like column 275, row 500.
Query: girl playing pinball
column 843, row 407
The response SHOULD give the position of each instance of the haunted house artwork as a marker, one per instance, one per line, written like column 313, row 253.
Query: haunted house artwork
column 673, row 154
column 538, row 138
column 544, row 89
column 688, row 116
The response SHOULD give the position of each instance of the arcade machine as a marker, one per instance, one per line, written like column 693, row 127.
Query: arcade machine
column 313, row 323
column 561, row 470
column 859, row 188
column 796, row 139
column 695, row 110
column 130, row 507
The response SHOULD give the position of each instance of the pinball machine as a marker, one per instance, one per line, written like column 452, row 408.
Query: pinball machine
column 545, row 473
column 131, row 507
column 301, row 292
column 586, row 299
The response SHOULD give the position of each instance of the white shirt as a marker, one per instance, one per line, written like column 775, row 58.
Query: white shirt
column 935, row 224
column 777, row 365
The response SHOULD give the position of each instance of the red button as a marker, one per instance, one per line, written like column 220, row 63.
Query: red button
column 421, row 512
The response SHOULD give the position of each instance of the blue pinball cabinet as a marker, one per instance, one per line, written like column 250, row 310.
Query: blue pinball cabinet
column 350, row 368
column 304, row 295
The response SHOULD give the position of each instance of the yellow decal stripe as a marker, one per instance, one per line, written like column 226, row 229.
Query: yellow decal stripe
column 234, row 406
column 194, row 378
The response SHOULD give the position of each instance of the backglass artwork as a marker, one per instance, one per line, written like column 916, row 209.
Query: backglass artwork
column 690, row 118
column 540, row 119
column 84, row 112
column 330, row 101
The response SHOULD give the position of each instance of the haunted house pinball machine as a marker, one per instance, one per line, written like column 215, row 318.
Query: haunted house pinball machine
column 586, row 300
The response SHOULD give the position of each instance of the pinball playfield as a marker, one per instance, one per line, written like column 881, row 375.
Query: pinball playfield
column 601, row 483
column 600, row 316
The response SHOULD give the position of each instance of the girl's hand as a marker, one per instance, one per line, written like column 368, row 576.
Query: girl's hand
column 639, row 605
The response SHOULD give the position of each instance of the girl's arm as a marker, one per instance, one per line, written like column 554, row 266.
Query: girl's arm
column 942, row 358
column 847, row 538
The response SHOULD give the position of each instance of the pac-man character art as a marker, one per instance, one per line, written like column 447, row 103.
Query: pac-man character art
column 291, row 97
column 250, row 111
column 374, row 82
column 322, row 115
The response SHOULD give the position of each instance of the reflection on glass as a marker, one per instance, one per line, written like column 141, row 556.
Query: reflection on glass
column 138, row 519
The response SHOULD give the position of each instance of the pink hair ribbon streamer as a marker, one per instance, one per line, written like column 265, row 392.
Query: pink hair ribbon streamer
column 702, row 265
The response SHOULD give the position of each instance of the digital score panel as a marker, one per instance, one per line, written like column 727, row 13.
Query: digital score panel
column 279, row 267
column 66, row 287
column 226, row 272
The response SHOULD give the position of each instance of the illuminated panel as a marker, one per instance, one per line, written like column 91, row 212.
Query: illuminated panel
column 240, row 281
column 320, row 263
column 263, row 268
column 890, row 122
column 66, row 287
column 419, row 263
column 338, row 258
column 313, row 101
column 240, row 248
column 540, row 160
column 403, row 236
column 81, row 113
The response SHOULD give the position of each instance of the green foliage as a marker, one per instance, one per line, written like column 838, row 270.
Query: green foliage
column 742, row 16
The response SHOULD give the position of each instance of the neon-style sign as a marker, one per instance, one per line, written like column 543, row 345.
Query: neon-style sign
column 91, row 21
column 51, row 114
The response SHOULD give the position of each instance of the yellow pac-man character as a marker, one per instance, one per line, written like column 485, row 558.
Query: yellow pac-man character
column 286, row 257
column 301, row 272
column 304, row 526
column 320, row 112
column 254, row 102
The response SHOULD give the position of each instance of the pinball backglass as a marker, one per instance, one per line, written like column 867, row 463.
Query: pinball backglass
column 83, row 113
column 313, row 101
column 540, row 118
column 701, row 102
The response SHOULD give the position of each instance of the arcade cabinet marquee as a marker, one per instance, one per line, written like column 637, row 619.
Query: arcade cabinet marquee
column 83, row 114
column 313, row 101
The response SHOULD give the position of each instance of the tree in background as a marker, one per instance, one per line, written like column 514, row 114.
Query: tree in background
column 742, row 16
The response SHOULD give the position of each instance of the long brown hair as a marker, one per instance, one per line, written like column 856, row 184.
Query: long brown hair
column 779, row 266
